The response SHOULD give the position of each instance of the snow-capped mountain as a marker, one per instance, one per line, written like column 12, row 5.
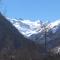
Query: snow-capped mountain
column 54, row 25
column 50, row 30
column 29, row 27
column 35, row 30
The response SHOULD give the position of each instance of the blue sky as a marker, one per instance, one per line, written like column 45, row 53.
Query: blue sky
column 32, row 9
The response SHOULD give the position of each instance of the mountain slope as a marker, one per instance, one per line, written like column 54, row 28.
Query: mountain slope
column 14, row 46
column 35, row 31
column 29, row 27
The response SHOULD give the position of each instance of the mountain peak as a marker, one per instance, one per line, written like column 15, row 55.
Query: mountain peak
column 29, row 27
column 55, row 23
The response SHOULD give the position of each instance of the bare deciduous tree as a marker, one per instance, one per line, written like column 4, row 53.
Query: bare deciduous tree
column 45, row 30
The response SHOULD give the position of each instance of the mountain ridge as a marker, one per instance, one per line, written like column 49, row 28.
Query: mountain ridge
column 29, row 27
column 14, row 46
column 38, row 34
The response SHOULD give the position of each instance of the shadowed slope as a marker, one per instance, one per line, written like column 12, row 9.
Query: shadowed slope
column 14, row 46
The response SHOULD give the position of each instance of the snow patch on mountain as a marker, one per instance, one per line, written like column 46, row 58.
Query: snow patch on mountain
column 29, row 27
column 55, row 23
